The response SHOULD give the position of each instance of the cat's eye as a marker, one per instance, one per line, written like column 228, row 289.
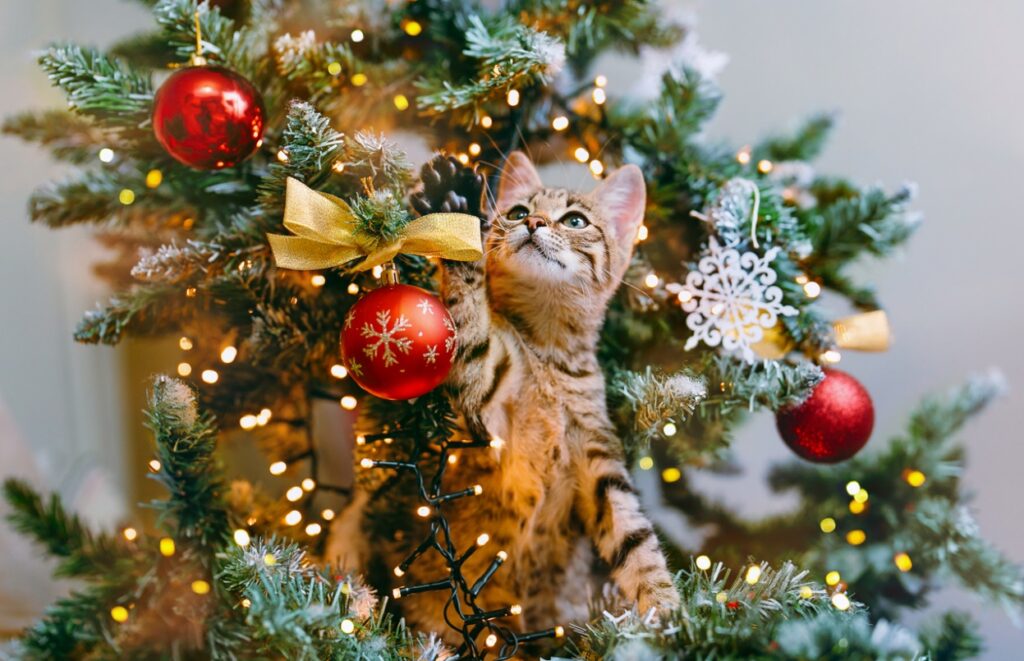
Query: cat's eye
column 517, row 213
column 574, row 221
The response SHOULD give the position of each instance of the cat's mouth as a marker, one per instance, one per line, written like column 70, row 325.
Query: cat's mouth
column 539, row 249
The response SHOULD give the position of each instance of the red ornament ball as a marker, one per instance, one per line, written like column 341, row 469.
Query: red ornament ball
column 833, row 424
column 398, row 342
column 208, row 117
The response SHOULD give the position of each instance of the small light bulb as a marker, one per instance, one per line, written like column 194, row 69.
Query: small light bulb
column 167, row 547
column 743, row 156
column 397, row 593
column 452, row 460
column 753, row 575
column 338, row 167
column 503, row 556
column 832, row 578
column 293, row 517
column 338, row 371
column 327, row 514
column 651, row 280
column 596, row 167
column 185, row 344
column 806, row 592
column 841, row 601
column 903, row 562
column 130, row 534
column 857, row 507
column 282, row 155
column 477, row 489
column 515, row 609
column 360, row 440
column 334, row 68
column 671, row 474
column 210, row 376
column 601, row 81
column 599, row 96
column 293, row 494
column 642, row 232
column 560, row 123
column 915, row 478
column 399, row 572
column 483, row 539
column 703, row 562
column 228, row 354
column 353, row 288
column 247, row 422
column 308, row 484
column 559, row 631
column 184, row 369
column 359, row 79
column 269, row 560
column 513, row 98
column 246, row 603
column 830, row 356
column 313, row 529
column 669, row 429
column 497, row 443
column 856, row 537
column 357, row 35
column 200, row 587
column 106, row 155
column 278, row 467
column 401, row 102
column 486, row 121
column 827, row 525
column 348, row 402
column 263, row 417
column 423, row 511
column 154, row 178
column 812, row 289
column 491, row 640
column 318, row 280
column 378, row 271
column 861, row 496
column 474, row 149
column 852, row 487
column 347, row 626
column 646, row 463
column 366, row 463
column 119, row 614
column 764, row 166
column 581, row 154
column 684, row 296
column 154, row 465
column 413, row 28
column 242, row 537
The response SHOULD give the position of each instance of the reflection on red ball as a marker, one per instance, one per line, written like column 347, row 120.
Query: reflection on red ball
column 208, row 117
column 833, row 424
column 398, row 342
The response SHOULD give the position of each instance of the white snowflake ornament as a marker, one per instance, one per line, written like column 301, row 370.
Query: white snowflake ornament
column 731, row 299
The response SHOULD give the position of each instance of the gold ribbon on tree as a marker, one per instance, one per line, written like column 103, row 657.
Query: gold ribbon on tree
column 325, row 235
column 867, row 331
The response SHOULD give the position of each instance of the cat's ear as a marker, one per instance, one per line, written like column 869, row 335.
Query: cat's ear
column 518, row 179
column 622, row 198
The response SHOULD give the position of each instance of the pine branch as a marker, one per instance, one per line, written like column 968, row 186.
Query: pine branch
column 802, row 145
column 96, row 197
column 141, row 311
column 69, row 136
column 651, row 400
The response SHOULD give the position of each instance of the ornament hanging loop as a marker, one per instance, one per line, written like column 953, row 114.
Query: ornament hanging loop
column 197, row 59
column 390, row 274
column 755, row 210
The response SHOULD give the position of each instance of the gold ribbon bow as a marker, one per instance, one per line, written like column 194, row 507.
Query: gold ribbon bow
column 325, row 235
column 867, row 331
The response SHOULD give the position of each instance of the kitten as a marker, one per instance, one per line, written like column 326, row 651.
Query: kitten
column 557, row 488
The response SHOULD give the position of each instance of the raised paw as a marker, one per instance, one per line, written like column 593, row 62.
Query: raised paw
column 659, row 593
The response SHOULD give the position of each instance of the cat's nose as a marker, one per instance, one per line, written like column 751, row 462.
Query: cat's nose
column 533, row 222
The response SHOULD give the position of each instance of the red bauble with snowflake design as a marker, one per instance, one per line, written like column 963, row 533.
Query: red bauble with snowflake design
column 398, row 342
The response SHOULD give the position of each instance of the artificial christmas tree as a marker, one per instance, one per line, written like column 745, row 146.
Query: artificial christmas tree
column 718, row 316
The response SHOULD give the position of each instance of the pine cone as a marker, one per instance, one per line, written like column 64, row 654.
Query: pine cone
column 449, row 186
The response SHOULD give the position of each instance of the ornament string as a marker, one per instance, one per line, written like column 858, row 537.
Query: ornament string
column 197, row 58
column 755, row 210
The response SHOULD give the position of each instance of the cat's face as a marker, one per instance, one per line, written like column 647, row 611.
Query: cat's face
column 553, row 236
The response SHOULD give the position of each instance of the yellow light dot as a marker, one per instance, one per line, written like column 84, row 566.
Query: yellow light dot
column 852, row 487
column 357, row 35
column 646, row 463
column 753, row 575
column 861, row 496
column 581, row 154
column 423, row 511
column 857, row 507
column 601, row 81
column 722, row 597
column 154, row 465
column 856, row 537
column 560, row 123
column 338, row 166
column 269, row 560
column 313, row 529
column 184, row 369
column 453, row 459
column 308, row 484
column 669, row 429
column 359, row 79
column 190, row 292
column 828, row 524
column 513, row 98
column 599, row 96
column 282, row 155
column 651, row 280
column 559, row 631
column 210, row 376
column 338, row 371
column 463, row 158
column 915, row 478
column 806, row 592
column 200, row 587
column 154, row 178
column 497, row 443
column 474, row 149
column 684, row 296
column 130, row 534
column 348, row 402
column 491, row 640
column 327, row 514
column 318, row 280
column 119, row 614
column 353, row 288
column 812, row 289
column 483, row 539
column 831, row 356
column 642, row 233
column 293, row 517
column 347, row 626
column 486, row 121
column 671, row 474
column 228, row 354
column 246, row 603
column 413, row 28
column 703, row 562
column 366, row 462
column 401, row 101
column 841, row 601
column 743, row 156
column 903, row 562
column 832, row 578
column 334, row 68
column 185, row 344
column 248, row 422
column 241, row 537
column 278, row 467
column 377, row 271
column 596, row 167
column 293, row 494
column 167, row 547
column 764, row 166
column 106, row 155
column 360, row 440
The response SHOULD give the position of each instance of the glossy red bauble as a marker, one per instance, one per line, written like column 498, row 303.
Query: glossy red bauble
column 833, row 424
column 208, row 117
column 398, row 342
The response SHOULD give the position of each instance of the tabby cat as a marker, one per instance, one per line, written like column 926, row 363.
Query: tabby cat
column 557, row 489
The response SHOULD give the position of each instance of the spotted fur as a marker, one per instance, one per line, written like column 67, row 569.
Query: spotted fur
column 557, row 490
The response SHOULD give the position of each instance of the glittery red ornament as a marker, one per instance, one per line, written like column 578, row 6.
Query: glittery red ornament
column 833, row 424
column 208, row 117
column 398, row 342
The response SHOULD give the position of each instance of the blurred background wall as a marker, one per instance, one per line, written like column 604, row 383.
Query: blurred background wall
column 928, row 91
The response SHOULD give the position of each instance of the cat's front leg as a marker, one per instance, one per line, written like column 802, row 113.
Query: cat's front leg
column 623, row 535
